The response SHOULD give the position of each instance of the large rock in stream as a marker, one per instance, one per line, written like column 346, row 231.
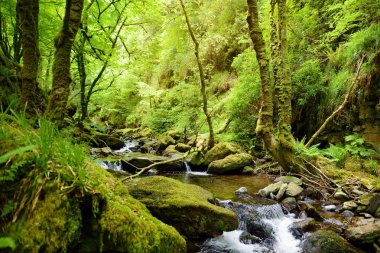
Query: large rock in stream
column 365, row 231
column 327, row 242
column 139, row 160
column 184, row 206
column 232, row 164
column 100, row 140
column 220, row 151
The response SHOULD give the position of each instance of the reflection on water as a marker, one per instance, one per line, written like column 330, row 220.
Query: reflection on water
column 224, row 187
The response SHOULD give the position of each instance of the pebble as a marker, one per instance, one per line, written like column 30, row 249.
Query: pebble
column 329, row 208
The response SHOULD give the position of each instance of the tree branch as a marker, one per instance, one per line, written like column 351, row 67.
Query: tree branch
column 341, row 107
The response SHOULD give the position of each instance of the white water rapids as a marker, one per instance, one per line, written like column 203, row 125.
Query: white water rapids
column 272, row 217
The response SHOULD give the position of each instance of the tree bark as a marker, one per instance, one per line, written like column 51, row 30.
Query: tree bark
column 211, row 140
column 285, row 137
column 264, row 127
column 61, row 67
column 27, row 17
column 282, row 147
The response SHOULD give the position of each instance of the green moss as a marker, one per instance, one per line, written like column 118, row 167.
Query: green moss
column 220, row 151
column 328, row 242
column 53, row 226
column 184, row 206
column 127, row 225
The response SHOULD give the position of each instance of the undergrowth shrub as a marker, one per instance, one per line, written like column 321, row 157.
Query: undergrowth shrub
column 31, row 158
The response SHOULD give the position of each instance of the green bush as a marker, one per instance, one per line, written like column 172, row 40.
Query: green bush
column 307, row 82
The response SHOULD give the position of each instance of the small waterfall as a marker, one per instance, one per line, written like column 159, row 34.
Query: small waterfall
column 129, row 146
column 110, row 165
column 188, row 168
column 262, row 229
column 190, row 172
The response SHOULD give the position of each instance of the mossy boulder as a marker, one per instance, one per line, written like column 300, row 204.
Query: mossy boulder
column 100, row 140
column 102, row 152
column 54, row 225
column 293, row 190
column 163, row 142
column 139, row 160
column 289, row 179
column 184, row 206
column 366, row 232
column 134, row 133
column 172, row 152
column 181, row 147
column 327, row 242
column 232, row 164
column 220, row 151
column 371, row 201
column 104, row 219
column 272, row 188
column 196, row 159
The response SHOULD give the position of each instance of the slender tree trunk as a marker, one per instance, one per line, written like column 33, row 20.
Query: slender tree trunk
column 82, row 76
column 27, row 15
column 264, row 127
column 61, row 67
column 211, row 141
column 274, row 53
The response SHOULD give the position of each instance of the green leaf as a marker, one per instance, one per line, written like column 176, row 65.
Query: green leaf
column 7, row 242
column 17, row 151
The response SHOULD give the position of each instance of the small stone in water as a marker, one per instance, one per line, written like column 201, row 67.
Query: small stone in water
column 329, row 208
column 347, row 214
column 340, row 195
column 366, row 215
column 241, row 190
column 349, row 205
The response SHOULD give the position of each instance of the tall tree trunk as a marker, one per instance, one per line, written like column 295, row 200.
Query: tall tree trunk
column 282, row 147
column 211, row 141
column 27, row 15
column 285, row 137
column 264, row 127
column 61, row 67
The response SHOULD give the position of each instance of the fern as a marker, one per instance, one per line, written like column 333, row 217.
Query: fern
column 337, row 154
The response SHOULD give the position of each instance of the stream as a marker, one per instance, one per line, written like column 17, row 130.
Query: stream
column 263, row 225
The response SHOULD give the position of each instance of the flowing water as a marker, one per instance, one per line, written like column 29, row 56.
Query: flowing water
column 116, row 165
column 263, row 227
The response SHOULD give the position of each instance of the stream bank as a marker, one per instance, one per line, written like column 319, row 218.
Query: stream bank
column 303, row 212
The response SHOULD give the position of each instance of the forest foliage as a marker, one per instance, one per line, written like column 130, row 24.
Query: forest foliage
column 131, row 64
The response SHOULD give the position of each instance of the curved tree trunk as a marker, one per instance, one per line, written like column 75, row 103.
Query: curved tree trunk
column 61, row 67
column 27, row 17
column 211, row 141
